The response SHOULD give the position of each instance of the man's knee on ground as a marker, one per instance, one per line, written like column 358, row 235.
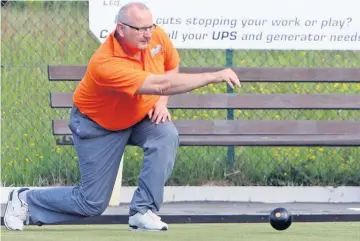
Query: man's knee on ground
column 93, row 206
column 95, row 209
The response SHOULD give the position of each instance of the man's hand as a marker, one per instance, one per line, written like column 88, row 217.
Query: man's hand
column 227, row 75
column 160, row 112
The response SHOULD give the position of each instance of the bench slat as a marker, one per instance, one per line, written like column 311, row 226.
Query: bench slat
column 251, row 127
column 271, row 140
column 278, row 74
column 243, row 101
column 247, row 74
column 66, row 72
column 256, row 140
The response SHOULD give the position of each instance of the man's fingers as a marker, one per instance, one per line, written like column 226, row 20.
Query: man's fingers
column 158, row 114
column 160, row 117
column 230, row 83
column 231, row 78
column 169, row 116
column 236, row 81
column 165, row 116
column 150, row 113
column 155, row 115
column 234, row 78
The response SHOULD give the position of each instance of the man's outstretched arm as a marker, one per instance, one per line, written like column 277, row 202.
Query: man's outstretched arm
column 177, row 83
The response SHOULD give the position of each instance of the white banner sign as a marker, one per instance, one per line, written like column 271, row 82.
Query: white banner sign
column 245, row 24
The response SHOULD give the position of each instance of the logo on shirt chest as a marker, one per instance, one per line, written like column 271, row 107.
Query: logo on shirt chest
column 156, row 50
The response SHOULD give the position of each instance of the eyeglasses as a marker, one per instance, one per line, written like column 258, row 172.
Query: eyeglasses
column 141, row 30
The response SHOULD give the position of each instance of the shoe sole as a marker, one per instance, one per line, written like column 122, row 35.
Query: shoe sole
column 6, row 210
column 135, row 228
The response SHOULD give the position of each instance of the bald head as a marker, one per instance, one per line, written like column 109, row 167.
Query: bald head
column 130, row 11
column 134, row 25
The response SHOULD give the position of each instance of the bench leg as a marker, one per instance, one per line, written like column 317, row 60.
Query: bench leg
column 115, row 196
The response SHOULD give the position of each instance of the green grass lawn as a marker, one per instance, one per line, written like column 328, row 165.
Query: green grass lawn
column 34, row 35
column 184, row 232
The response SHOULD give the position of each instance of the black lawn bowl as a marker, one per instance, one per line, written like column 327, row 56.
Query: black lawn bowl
column 280, row 219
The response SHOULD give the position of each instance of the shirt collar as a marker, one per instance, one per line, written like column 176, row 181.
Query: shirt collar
column 118, row 50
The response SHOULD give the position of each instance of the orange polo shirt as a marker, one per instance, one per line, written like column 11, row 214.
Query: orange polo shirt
column 106, row 94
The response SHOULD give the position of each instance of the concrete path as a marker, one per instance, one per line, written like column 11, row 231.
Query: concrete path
column 232, row 212
column 237, row 208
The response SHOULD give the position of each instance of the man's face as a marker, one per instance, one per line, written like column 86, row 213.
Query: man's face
column 137, row 30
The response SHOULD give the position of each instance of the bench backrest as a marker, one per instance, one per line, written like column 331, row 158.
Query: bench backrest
column 248, row 74
column 242, row 101
column 262, row 130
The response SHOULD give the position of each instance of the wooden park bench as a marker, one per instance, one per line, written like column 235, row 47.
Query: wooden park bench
column 230, row 132
column 247, row 132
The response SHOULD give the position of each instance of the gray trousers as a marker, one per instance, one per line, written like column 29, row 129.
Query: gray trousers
column 99, row 154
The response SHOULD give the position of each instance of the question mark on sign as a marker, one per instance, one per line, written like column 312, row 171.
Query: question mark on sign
column 349, row 20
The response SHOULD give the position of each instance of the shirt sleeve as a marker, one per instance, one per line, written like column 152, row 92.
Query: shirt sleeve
column 171, row 55
column 119, row 75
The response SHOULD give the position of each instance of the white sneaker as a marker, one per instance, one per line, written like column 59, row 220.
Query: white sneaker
column 16, row 212
column 147, row 222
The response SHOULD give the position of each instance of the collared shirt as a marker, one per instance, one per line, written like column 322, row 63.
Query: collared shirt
column 106, row 94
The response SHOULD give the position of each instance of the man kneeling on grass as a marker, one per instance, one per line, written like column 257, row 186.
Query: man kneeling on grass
column 121, row 100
